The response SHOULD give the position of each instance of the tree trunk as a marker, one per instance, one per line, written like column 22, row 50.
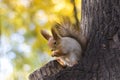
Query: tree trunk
column 101, row 60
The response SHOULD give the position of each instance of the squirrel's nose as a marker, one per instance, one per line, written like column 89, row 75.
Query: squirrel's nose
column 52, row 49
column 53, row 55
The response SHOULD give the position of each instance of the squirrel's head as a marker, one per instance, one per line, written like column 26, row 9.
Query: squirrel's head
column 53, row 40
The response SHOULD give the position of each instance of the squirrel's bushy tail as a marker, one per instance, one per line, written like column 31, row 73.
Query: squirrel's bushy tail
column 67, row 29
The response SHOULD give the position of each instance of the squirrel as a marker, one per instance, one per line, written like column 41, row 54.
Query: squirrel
column 66, row 43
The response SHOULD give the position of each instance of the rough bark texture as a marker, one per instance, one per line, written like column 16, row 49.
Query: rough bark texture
column 101, row 24
column 49, row 69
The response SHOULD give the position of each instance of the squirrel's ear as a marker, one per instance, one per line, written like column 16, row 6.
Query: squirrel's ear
column 45, row 34
column 55, row 34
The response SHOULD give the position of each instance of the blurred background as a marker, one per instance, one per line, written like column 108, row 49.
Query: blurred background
column 22, row 48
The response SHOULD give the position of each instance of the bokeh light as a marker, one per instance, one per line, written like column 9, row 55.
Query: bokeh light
column 22, row 48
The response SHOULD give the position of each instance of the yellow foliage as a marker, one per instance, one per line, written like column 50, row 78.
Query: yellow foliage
column 21, row 22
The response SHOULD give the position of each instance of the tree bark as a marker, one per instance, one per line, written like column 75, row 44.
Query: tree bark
column 101, row 60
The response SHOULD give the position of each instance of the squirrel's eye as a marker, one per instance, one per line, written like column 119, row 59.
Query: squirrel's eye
column 55, row 42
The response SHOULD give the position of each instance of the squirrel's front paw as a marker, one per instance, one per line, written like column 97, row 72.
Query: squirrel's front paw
column 56, row 53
